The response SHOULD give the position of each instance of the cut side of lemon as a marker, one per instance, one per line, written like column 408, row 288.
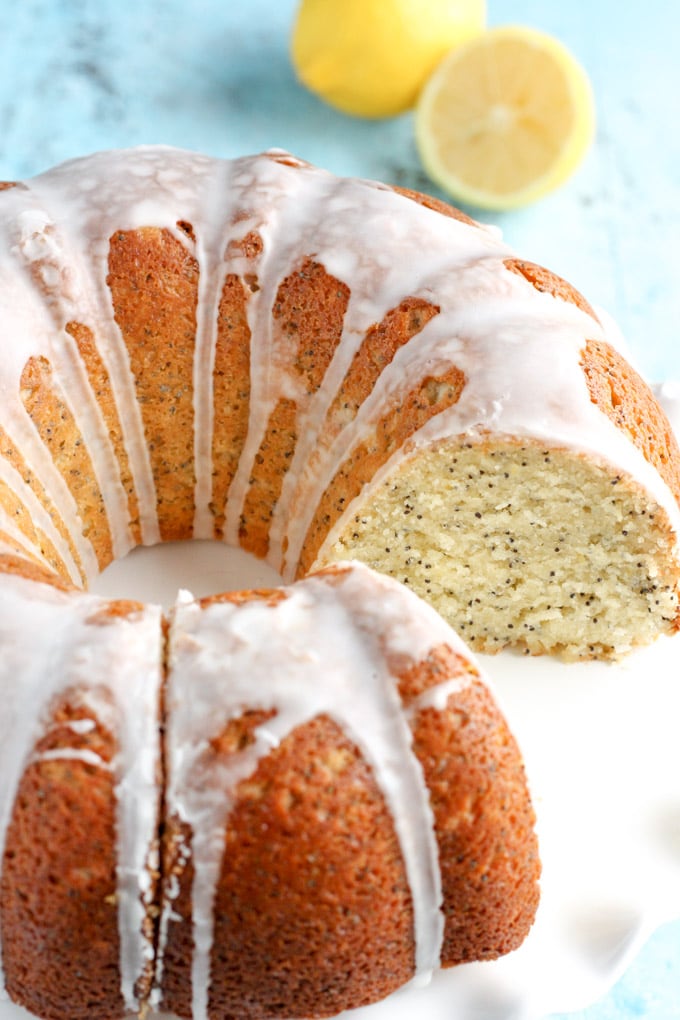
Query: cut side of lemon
column 370, row 58
column 505, row 119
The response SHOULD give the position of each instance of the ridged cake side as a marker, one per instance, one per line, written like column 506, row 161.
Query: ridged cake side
column 308, row 826
column 79, row 796
column 61, row 947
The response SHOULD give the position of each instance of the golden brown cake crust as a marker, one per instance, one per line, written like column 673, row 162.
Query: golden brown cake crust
column 307, row 315
column 59, row 915
column 484, row 824
column 55, row 422
column 545, row 280
column 100, row 383
column 484, row 819
column 18, row 510
column 377, row 350
column 322, row 897
column 627, row 400
column 231, row 387
column 154, row 287
column 10, row 564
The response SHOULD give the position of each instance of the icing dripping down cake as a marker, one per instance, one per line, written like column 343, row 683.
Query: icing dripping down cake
column 366, row 717
column 317, row 368
column 337, row 804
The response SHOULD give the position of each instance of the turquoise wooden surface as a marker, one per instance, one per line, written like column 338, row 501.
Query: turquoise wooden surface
column 215, row 76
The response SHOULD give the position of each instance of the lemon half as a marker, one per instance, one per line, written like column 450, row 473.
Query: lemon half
column 371, row 57
column 505, row 119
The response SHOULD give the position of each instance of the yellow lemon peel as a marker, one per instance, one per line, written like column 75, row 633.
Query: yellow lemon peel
column 371, row 58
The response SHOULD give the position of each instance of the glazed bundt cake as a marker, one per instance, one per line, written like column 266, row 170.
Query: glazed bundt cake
column 312, row 369
column 317, row 369
column 338, row 804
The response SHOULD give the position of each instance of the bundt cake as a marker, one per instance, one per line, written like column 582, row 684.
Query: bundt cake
column 317, row 369
column 337, row 805
column 313, row 369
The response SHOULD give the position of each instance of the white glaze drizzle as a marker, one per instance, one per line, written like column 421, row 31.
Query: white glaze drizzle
column 213, row 231
column 55, row 266
column 71, row 754
column 227, row 658
column 40, row 518
column 113, row 665
column 35, row 453
column 437, row 697
column 275, row 214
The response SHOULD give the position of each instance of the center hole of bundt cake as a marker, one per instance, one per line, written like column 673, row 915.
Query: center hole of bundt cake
column 156, row 573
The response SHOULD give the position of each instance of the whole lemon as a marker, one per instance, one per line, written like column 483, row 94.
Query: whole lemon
column 371, row 58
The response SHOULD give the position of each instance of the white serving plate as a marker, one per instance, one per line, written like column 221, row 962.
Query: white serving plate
column 603, row 759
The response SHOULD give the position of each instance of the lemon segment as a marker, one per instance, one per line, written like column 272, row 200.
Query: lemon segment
column 371, row 58
column 505, row 119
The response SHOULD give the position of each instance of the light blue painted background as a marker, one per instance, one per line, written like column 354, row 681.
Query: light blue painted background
column 214, row 75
